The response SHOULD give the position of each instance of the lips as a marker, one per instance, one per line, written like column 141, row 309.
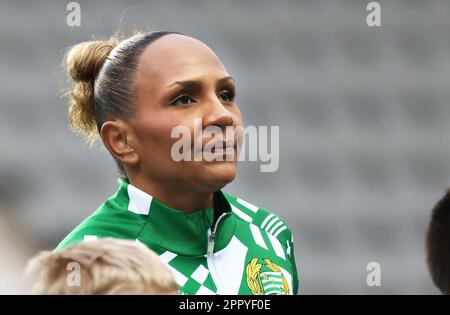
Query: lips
column 222, row 147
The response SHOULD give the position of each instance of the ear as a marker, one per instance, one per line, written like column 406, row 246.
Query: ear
column 118, row 139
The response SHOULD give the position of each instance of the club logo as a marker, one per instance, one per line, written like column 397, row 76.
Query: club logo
column 266, row 278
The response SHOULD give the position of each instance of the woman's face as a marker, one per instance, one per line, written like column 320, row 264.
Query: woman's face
column 180, row 79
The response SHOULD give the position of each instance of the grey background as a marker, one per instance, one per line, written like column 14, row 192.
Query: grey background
column 363, row 115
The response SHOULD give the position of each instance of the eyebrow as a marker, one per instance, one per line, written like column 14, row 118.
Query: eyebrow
column 195, row 84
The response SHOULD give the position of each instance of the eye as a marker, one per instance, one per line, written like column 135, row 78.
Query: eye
column 182, row 100
column 227, row 96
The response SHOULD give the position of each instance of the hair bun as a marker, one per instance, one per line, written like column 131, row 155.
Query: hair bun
column 83, row 63
column 84, row 60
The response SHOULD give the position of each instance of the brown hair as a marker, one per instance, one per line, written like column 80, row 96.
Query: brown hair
column 106, row 266
column 103, row 77
column 438, row 244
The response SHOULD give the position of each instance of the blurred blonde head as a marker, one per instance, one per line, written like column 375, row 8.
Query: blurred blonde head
column 103, row 266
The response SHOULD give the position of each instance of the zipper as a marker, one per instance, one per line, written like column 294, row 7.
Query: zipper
column 210, row 256
column 212, row 235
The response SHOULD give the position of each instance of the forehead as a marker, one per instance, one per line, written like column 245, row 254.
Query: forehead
column 177, row 57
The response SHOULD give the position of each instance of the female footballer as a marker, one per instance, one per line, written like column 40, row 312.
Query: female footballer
column 131, row 94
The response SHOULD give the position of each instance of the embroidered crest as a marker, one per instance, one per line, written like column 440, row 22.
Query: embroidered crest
column 266, row 278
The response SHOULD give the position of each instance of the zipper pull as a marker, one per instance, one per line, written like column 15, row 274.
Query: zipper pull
column 211, row 243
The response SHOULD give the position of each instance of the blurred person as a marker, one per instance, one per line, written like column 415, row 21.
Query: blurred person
column 438, row 244
column 106, row 266
column 132, row 94
column 16, row 246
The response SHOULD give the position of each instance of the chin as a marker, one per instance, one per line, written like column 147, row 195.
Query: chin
column 219, row 174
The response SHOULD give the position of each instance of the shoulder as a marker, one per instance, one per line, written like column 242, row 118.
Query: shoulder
column 269, row 223
column 260, row 217
column 106, row 221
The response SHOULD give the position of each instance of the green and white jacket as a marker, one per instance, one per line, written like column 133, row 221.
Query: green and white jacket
column 239, row 249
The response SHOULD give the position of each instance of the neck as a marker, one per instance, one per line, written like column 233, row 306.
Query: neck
column 180, row 198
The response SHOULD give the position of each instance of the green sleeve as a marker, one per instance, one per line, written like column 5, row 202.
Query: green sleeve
column 286, row 238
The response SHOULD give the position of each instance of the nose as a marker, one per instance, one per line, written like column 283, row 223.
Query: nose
column 217, row 114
